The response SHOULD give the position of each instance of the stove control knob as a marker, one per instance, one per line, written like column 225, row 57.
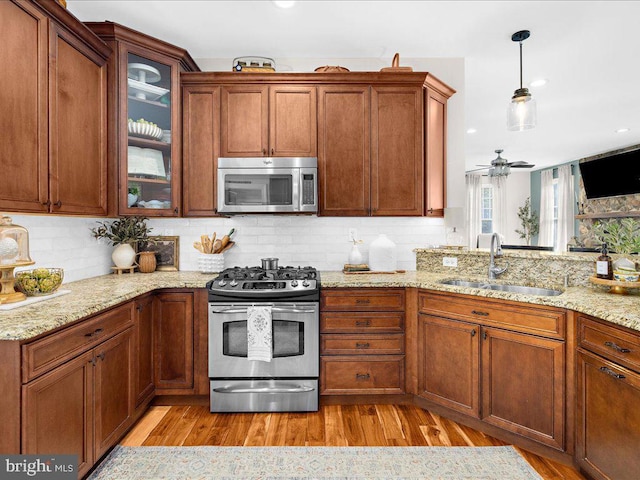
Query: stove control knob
column 305, row 283
column 294, row 283
column 233, row 283
column 222, row 283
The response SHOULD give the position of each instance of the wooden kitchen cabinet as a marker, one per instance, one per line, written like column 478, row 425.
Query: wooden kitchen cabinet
column 173, row 346
column 274, row 121
column 608, row 400
column 370, row 154
column 362, row 343
column 201, row 147
column 81, row 400
column 56, row 160
column 397, row 159
column 144, row 75
column 143, row 386
column 488, row 360
column 435, row 188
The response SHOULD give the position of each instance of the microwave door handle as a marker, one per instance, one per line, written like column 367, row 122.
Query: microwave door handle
column 296, row 196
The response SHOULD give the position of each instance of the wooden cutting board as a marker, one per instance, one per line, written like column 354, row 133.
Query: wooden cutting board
column 371, row 272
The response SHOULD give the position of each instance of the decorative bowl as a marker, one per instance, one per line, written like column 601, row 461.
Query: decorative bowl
column 39, row 281
column 144, row 130
column 622, row 276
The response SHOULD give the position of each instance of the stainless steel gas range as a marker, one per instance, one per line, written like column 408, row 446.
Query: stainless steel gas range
column 264, row 339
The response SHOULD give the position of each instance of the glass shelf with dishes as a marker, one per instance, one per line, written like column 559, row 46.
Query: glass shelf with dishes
column 149, row 118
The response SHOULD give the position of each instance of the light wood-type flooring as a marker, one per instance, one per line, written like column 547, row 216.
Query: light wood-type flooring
column 333, row 425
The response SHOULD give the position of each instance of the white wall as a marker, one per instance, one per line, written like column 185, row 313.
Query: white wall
column 322, row 242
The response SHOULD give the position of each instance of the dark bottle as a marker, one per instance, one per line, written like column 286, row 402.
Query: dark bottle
column 604, row 267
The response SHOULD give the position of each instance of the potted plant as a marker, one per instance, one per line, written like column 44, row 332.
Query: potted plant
column 133, row 194
column 622, row 237
column 123, row 233
column 529, row 220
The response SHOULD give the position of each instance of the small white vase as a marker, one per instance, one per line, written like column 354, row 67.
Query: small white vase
column 355, row 257
column 382, row 255
column 123, row 255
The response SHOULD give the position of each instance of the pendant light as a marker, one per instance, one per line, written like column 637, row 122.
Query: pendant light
column 521, row 114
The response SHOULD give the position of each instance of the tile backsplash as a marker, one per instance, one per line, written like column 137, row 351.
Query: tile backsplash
column 57, row 241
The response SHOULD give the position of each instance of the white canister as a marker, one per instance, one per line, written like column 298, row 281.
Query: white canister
column 382, row 255
column 210, row 262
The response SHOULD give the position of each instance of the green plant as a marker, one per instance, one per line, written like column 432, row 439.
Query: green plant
column 134, row 190
column 123, row 230
column 621, row 236
column 529, row 220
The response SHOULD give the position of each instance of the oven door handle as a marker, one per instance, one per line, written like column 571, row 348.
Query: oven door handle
column 274, row 309
column 293, row 389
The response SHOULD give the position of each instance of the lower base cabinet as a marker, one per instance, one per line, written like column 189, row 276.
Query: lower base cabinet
column 82, row 407
column 507, row 378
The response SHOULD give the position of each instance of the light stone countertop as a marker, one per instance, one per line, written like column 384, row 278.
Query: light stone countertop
column 96, row 294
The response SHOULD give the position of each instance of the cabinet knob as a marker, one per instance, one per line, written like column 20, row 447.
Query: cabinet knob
column 176, row 211
column 47, row 203
column 272, row 152
column 473, row 332
column 57, row 204
column 484, row 335
column 264, row 151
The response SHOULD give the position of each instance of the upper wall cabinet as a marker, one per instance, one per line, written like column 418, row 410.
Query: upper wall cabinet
column 260, row 120
column 145, row 120
column 380, row 138
column 54, row 93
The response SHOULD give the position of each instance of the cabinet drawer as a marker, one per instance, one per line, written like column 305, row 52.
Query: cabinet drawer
column 353, row 375
column 345, row 322
column 609, row 341
column 336, row 344
column 42, row 355
column 362, row 299
column 522, row 318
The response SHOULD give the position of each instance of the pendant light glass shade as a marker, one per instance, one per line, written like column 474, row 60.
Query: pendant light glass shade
column 521, row 113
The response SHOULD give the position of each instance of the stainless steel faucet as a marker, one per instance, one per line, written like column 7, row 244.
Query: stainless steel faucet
column 495, row 252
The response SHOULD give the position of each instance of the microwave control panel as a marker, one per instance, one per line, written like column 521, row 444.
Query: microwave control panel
column 308, row 186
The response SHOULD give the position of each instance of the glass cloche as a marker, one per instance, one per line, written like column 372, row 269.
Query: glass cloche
column 14, row 244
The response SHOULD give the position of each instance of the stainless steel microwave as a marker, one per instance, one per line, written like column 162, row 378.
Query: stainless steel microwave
column 268, row 185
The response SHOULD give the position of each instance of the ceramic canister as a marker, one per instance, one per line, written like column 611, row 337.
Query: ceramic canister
column 382, row 255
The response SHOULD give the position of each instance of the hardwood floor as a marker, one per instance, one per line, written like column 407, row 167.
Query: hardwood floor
column 333, row 425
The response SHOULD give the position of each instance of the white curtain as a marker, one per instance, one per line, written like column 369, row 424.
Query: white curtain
column 474, row 199
column 499, row 205
column 545, row 236
column 566, row 220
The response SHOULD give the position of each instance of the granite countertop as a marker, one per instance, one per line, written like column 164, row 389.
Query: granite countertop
column 93, row 295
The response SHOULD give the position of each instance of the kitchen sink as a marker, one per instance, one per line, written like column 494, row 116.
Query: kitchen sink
column 547, row 292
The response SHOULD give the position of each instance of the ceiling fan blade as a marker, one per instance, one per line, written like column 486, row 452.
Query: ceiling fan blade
column 521, row 164
column 483, row 165
column 477, row 169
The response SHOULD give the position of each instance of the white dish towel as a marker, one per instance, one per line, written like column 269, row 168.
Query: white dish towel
column 259, row 343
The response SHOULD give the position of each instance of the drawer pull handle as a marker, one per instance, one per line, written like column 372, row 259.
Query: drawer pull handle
column 363, row 300
column 97, row 331
column 478, row 312
column 362, row 345
column 617, row 348
column 362, row 376
column 612, row 373
column 363, row 323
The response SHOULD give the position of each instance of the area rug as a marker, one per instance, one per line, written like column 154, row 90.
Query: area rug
column 326, row 463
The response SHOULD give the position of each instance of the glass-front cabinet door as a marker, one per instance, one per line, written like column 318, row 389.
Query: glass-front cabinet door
column 148, row 183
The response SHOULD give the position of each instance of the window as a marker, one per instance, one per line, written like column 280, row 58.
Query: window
column 486, row 215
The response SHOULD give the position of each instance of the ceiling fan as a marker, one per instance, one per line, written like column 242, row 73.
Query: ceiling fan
column 501, row 167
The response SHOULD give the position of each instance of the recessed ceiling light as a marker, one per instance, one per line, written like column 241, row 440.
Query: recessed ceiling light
column 623, row 130
column 539, row 82
column 284, row 3
column 471, row 130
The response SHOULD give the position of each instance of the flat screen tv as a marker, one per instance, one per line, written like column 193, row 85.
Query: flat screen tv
column 612, row 175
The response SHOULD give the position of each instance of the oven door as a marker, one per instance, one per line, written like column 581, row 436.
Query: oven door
column 295, row 336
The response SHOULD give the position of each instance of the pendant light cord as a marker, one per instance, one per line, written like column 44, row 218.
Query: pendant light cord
column 520, row 64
